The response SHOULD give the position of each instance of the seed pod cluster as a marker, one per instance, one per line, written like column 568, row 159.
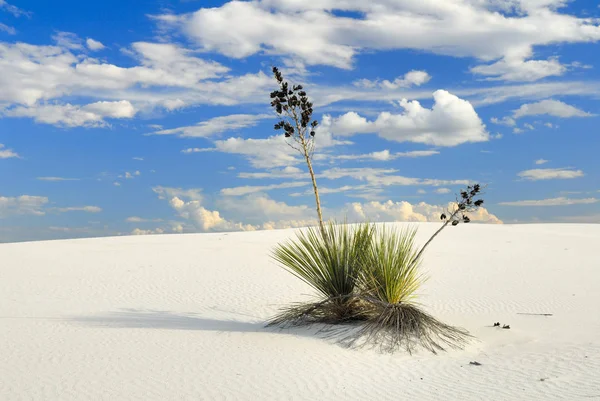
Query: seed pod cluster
column 292, row 102
column 465, row 204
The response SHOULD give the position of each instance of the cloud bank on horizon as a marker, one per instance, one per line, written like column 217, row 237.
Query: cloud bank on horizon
column 162, row 123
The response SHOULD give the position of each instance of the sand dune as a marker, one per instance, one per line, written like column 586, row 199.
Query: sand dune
column 180, row 317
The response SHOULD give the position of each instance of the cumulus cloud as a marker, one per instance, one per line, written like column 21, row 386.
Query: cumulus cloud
column 87, row 209
column 8, row 29
column 94, row 45
column 405, row 211
column 503, row 33
column 541, row 161
column 68, row 40
column 6, row 153
column 411, row 78
column 204, row 219
column 14, row 10
column 285, row 172
column 550, row 107
column 139, row 231
column 386, row 155
column 270, row 152
column 519, row 69
column 135, row 219
column 384, row 177
column 24, row 204
column 450, row 122
column 130, row 176
column 249, row 189
column 64, row 70
column 68, row 115
column 56, row 179
column 216, row 125
column 560, row 201
column 171, row 192
column 508, row 121
column 550, row 174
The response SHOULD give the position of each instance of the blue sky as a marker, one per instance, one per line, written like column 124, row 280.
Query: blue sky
column 122, row 117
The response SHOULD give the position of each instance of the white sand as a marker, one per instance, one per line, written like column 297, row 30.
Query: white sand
column 180, row 317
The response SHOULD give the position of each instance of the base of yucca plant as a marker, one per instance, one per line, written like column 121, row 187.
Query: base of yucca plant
column 406, row 326
column 358, row 323
column 325, row 312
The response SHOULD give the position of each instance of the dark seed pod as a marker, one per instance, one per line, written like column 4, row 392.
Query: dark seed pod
column 312, row 133
column 455, row 222
column 443, row 217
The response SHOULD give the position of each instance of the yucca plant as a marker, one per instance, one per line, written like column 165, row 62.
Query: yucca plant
column 389, row 280
column 391, row 271
column 329, row 260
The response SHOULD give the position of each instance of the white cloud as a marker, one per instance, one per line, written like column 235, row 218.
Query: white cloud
column 550, row 174
column 140, row 159
column 561, row 201
column 442, row 191
column 8, row 29
column 384, row 177
column 94, row 45
column 68, row 115
column 135, row 219
column 170, row 192
column 6, row 153
column 68, row 40
column 520, row 69
column 541, row 161
column 450, row 122
column 87, row 209
column 130, row 176
column 271, row 152
column 120, row 109
column 386, row 155
column 284, row 173
column 24, row 204
column 198, row 150
column 14, row 10
column 528, row 126
column 139, row 231
column 508, row 121
column 204, row 219
column 405, row 211
column 411, row 78
column 249, row 189
column 216, row 125
column 503, row 33
column 56, row 71
column 57, row 179
column 550, row 107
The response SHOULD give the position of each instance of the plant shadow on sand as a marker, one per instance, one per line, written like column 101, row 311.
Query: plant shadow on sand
column 167, row 320
column 344, row 335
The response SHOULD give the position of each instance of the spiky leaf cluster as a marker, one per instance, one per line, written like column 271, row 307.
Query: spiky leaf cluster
column 292, row 104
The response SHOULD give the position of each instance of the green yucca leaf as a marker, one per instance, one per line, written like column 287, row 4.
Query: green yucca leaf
column 391, row 274
column 329, row 263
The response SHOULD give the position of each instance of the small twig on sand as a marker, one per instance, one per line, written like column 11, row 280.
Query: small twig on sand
column 537, row 314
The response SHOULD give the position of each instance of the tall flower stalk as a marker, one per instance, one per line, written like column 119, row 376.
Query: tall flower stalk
column 295, row 110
